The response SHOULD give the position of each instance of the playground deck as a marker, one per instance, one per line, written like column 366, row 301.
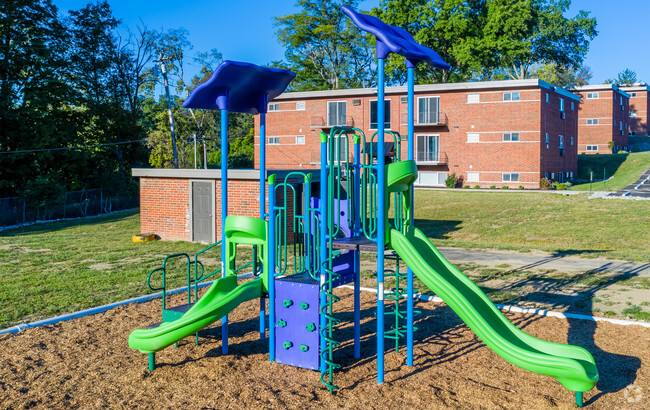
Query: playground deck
column 86, row 363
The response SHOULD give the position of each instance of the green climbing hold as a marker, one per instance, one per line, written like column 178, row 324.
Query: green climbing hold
column 304, row 348
column 287, row 345
column 311, row 327
column 287, row 302
column 304, row 305
column 282, row 323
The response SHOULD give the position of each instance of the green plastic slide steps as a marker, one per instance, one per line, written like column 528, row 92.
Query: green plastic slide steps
column 222, row 297
column 572, row 366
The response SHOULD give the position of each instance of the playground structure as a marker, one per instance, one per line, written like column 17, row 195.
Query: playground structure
column 310, row 240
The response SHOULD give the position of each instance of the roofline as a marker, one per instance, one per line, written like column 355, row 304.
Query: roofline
column 466, row 86
column 636, row 87
column 233, row 174
column 600, row 87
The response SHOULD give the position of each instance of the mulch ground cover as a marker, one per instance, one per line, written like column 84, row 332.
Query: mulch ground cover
column 86, row 363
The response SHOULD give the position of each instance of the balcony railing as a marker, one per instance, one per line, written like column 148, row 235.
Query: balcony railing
column 443, row 159
column 439, row 120
column 319, row 122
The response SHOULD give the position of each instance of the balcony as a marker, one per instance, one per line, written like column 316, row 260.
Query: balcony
column 440, row 121
column 319, row 122
column 443, row 159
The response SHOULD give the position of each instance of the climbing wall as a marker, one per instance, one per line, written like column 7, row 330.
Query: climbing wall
column 296, row 327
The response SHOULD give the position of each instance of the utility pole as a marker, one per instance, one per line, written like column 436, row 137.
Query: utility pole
column 163, row 70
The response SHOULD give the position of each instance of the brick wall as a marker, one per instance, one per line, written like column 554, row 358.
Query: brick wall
column 490, row 156
column 602, row 120
column 639, row 101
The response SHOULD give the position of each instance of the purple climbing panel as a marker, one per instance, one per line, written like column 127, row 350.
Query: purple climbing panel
column 296, row 325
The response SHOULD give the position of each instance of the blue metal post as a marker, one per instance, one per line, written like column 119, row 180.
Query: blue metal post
column 323, row 244
column 356, row 230
column 271, row 273
column 224, row 214
column 263, row 209
column 381, row 215
column 409, row 273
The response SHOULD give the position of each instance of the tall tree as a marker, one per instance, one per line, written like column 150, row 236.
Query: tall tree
column 324, row 48
column 563, row 76
column 518, row 35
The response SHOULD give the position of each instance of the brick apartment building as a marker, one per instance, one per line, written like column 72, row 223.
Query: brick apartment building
column 603, row 119
column 639, row 99
column 489, row 133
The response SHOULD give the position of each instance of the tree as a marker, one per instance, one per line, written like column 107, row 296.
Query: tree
column 626, row 76
column 324, row 47
column 563, row 76
column 518, row 35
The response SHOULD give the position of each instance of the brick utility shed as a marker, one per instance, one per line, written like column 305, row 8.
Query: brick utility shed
column 639, row 102
column 603, row 118
column 185, row 204
column 489, row 133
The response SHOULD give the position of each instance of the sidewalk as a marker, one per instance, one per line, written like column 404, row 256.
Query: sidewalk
column 551, row 261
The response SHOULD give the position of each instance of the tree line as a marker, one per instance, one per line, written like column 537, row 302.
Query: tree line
column 78, row 103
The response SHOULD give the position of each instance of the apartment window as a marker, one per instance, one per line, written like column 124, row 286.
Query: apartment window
column 548, row 99
column 571, row 141
column 340, row 149
column 592, row 96
column 632, row 113
column 592, row 121
column 546, row 175
column 300, row 140
column 472, row 177
column 622, row 103
column 274, row 107
column 301, row 105
column 428, row 110
column 562, row 104
column 403, row 100
column 511, row 136
column 273, row 140
column 633, row 94
column 510, row 177
column 592, row 147
column 513, row 96
column 614, row 97
column 548, row 138
column 573, row 107
column 336, row 115
column 373, row 114
column 620, row 126
column 472, row 137
column 552, row 175
column 615, row 123
column 561, row 142
column 428, row 148
column 473, row 98
column 431, row 178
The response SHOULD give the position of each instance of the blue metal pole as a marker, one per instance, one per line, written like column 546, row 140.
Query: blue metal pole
column 409, row 273
column 263, row 209
column 323, row 244
column 356, row 230
column 224, row 214
column 271, row 264
column 381, row 215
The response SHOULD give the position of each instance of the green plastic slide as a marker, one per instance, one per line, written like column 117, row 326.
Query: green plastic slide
column 572, row 366
column 222, row 297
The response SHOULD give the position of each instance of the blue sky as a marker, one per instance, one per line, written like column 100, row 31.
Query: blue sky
column 244, row 30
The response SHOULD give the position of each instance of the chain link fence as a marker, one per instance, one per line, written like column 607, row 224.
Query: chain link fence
column 75, row 204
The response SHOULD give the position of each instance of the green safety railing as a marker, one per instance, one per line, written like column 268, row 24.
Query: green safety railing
column 298, row 242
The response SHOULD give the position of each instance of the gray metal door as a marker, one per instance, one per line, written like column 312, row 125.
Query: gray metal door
column 202, row 204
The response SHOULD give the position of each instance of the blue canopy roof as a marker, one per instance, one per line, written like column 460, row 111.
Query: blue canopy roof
column 240, row 87
column 391, row 39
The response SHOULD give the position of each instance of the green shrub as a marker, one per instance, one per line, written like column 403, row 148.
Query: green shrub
column 493, row 187
column 545, row 183
column 521, row 187
column 477, row 186
column 451, row 180
column 466, row 186
column 505, row 187
column 568, row 184
column 560, row 187
column 623, row 152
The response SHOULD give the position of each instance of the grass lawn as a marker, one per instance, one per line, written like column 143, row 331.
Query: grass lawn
column 551, row 222
column 54, row 268
column 626, row 168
